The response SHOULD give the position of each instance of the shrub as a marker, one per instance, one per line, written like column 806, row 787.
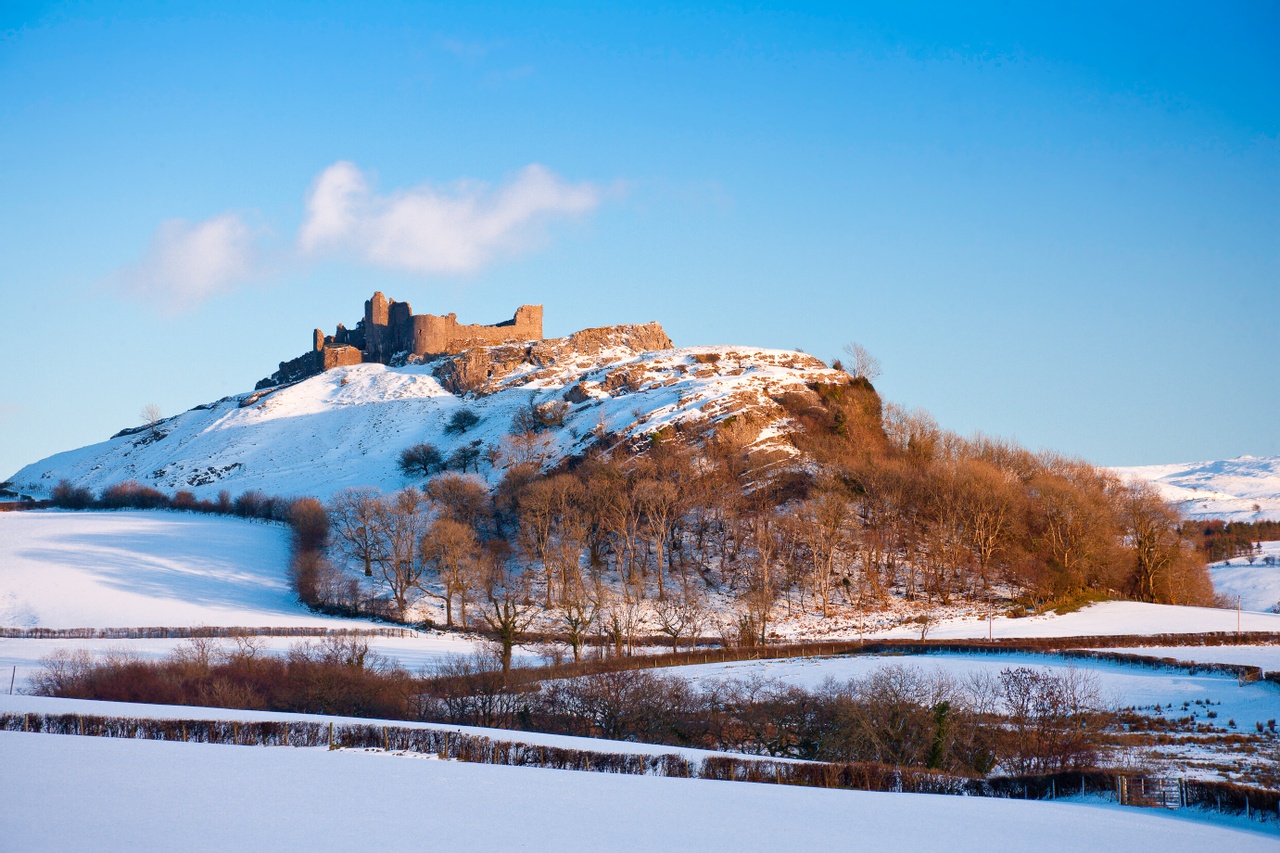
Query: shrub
column 467, row 456
column 132, row 494
column 420, row 460
column 538, row 417
column 68, row 496
column 461, row 421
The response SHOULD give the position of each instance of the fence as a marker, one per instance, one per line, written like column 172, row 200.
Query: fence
column 459, row 746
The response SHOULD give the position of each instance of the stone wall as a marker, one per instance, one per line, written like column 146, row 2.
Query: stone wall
column 390, row 328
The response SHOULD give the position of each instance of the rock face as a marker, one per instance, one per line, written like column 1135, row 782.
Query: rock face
column 480, row 370
column 390, row 329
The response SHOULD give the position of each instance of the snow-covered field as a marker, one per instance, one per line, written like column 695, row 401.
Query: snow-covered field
column 150, row 795
column 134, row 568
column 22, row 704
column 1108, row 618
column 21, row 658
column 1255, row 582
column 1119, row 685
column 1228, row 489
column 1265, row 656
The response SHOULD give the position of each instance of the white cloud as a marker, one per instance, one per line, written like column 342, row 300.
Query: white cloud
column 433, row 231
column 187, row 263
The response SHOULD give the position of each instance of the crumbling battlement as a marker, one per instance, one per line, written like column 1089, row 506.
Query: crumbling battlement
column 390, row 328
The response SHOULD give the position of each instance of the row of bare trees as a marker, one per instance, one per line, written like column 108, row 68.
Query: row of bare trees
column 886, row 504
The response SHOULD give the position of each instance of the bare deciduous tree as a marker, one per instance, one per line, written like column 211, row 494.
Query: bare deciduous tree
column 151, row 416
column 862, row 364
column 354, row 515
column 453, row 549
column 401, row 523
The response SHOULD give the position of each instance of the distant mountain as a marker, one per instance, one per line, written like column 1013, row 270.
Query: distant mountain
column 348, row 425
column 1242, row 489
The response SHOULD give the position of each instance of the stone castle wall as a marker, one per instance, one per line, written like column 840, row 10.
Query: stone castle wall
column 390, row 328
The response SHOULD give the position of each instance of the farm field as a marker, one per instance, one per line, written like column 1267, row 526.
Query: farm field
column 133, row 794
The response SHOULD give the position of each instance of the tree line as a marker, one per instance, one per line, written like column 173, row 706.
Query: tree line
column 1224, row 540
column 870, row 503
column 881, row 504
column 1022, row 720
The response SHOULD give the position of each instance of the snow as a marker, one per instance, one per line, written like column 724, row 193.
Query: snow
column 1119, row 685
column 134, row 794
column 1257, row 584
column 21, row 658
column 1227, row 489
column 1265, row 656
column 135, row 568
column 22, row 704
column 347, row 426
column 1108, row 618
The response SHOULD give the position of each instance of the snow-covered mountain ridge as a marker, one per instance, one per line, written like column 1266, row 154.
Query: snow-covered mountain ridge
column 1243, row 489
column 347, row 426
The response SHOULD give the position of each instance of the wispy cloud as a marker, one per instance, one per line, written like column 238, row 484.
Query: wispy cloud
column 425, row 230
column 189, row 262
column 431, row 230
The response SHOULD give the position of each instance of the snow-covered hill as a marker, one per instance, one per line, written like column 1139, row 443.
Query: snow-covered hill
column 1242, row 489
column 347, row 426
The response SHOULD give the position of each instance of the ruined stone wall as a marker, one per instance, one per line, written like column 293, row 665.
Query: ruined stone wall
column 341, row 356
column 435, row 335
column 390, row 328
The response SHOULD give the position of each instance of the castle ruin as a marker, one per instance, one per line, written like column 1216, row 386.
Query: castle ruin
column 390, row 329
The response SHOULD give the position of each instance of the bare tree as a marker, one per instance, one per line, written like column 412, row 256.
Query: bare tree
column 863, row 365
column 401, row 523
column 579, row 607
column 506, row 588
column 453, row 549
column 151, row 416
column 354, row 515
column 682, row 615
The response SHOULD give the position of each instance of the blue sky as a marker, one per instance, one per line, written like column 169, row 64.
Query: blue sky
column 1061, row 226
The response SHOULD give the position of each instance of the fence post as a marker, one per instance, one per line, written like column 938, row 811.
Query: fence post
column 331, row 735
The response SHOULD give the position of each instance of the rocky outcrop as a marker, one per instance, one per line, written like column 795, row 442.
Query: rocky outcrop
column 480, row 370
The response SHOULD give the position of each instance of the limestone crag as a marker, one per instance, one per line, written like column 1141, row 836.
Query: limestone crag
column 481, row 370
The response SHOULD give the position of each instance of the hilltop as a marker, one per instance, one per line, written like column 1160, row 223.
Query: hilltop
column 1246, row 488
column 347, row 425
